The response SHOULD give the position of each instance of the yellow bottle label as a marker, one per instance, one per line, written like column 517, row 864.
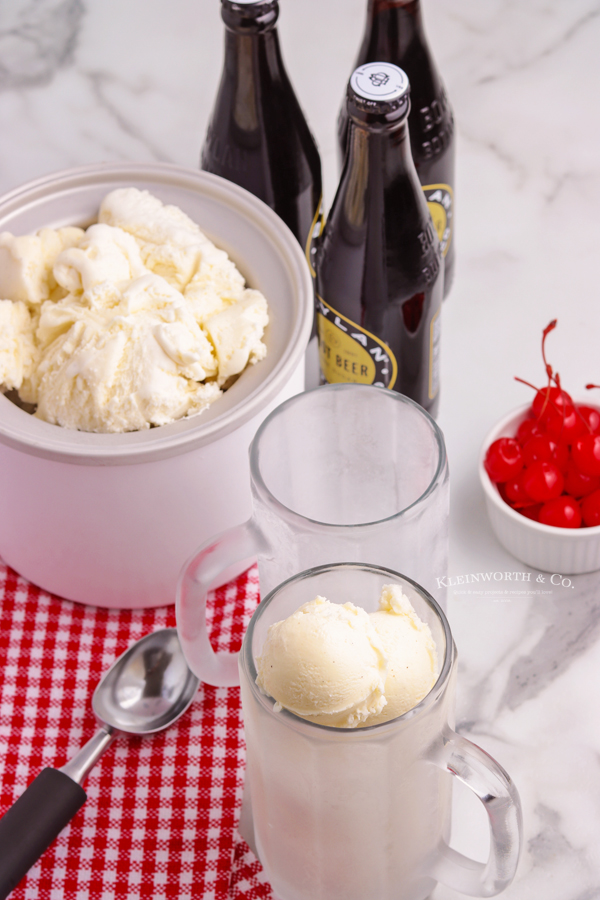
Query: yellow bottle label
column 316, row 229
column 349, row 353
column 440, row 200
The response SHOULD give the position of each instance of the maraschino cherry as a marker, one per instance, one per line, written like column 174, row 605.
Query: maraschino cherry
column 577, row 484
column 543, row 481
column 503, row 459
column 590, row 509
column 563, row 512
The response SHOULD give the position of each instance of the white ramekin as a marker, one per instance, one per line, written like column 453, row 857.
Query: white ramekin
column 566, row 551
column 109, row 519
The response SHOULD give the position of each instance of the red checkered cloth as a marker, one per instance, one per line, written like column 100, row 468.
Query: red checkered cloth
column 161, row 815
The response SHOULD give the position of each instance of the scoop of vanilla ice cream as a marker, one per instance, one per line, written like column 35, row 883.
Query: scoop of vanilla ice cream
column 338, row 665
column 17, row 346
column 236, row 334
column 326, row 663
column 102, row 254
column 216, row 284
column 170, row 242
column 26, row 263
column 410, row 650
column 122, row 362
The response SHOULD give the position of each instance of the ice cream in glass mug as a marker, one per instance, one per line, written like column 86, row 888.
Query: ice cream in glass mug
column 343, row 473
column 342, row 802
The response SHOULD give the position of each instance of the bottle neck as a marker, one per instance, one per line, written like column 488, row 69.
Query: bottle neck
column 254, row 18
column 392, row 26
column 253, row 57
column 375, row 159
column 390, row 146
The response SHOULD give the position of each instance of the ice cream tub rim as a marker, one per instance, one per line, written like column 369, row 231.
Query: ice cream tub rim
column 82, row 189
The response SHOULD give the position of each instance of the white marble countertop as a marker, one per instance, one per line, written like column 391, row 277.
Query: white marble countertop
column 84, row 81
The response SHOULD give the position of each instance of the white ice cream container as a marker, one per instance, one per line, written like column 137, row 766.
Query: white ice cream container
column 109, row 519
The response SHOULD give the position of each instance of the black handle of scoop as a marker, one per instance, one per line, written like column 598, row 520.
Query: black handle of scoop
column 28, row 828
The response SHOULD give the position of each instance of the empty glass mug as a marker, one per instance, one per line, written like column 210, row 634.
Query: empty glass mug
column 343, row 473
column 346, row 814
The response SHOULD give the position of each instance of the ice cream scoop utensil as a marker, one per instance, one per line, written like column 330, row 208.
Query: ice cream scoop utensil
column 145, row 690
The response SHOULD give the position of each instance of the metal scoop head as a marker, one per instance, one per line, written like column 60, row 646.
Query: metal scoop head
column 148, row 687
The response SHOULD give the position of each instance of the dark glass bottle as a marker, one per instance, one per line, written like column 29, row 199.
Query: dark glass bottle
column 257, row 135
column 394, row 33
column 379, row 266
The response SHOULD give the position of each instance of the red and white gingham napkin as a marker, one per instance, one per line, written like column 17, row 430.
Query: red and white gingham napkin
column 161, row 815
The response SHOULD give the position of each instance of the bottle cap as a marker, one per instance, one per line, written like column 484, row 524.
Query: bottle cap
column 379, row 89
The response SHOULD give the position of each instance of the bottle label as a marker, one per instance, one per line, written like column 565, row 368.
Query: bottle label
column 440, row 200
column 349, row 353
column 435, row 331
column 312, row 241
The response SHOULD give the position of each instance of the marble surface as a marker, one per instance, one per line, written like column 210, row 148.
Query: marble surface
column 83, row 81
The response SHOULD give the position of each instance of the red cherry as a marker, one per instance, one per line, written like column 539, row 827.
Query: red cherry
column 560, row 456
column 527, row 429
column 591, row 417
column 578, row 484
column 549, row 401
column 586, row 454
column 543, row 481
column 552, row 406
column 590, row 510
column 566, row 428
column 513, row 491
column 538, row 447
column 562, row 512
column 531, row 512
column 503, row 459
column 556, row 414
column 541, row 447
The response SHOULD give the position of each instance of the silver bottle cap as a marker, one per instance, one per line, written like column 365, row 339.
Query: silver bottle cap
column 379, row 81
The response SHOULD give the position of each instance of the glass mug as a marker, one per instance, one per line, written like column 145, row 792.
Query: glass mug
column 346, row 472
column 345, row 814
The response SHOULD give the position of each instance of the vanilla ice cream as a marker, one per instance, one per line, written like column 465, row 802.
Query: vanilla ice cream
column 335, row 664
column 170, row 243
column 27, row 261
column 138, row 321
column 325, row 662
column 17, row 345
column 410, row 650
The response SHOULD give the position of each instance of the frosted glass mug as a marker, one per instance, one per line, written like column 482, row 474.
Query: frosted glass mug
column 343, row 473
column 349, row 814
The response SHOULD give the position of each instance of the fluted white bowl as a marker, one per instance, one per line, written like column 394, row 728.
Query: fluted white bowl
column 566, row 551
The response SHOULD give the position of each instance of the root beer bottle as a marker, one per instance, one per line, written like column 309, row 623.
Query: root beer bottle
column 379, row 266
column 394, row 33
column 257, row 135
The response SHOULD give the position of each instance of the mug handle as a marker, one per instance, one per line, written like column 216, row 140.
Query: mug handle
column 237, row 545
column 488, row 780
